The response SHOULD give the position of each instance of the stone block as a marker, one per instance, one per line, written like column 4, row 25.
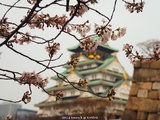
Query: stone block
column 153, row 94
column 159, row 108
column 159, row 94
column 141, row 75
column 148, row 105
column 133, row 103
column 156, row 76
column 134, row 89
column 158, row 117
column 142, row 93
column 141, row 115
column 147, row 64
column 145, row 85
column 146, row 75
column 129, row 115
column 156, row 86
column 152, row 116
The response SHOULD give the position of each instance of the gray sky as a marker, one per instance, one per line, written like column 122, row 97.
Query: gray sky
column 140, row 27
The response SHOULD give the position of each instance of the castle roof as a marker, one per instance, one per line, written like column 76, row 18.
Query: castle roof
column 100, row 68
column 102, row 47
column 90, row 83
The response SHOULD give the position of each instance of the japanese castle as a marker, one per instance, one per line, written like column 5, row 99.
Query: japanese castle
column 103, row 72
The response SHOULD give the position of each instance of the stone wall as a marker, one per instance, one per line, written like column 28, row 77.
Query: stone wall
column 100, row 108
column 144, row 97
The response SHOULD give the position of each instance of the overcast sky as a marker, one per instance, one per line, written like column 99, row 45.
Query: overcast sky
column 140, row 27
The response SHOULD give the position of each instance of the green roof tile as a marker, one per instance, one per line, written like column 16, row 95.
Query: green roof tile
column 86, row 62
column 105, row 47
column 90, row 83
column 107, row 61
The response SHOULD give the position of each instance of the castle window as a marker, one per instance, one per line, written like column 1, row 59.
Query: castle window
column 94, row 76
column 89, row 66
column 96, row 89
column 72, row 92
column 60, row 82
column 104, row 76
column 112, row 78
column 81, row 67
column 115, row 69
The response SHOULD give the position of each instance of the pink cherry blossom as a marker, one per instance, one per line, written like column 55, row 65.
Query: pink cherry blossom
column 82, row 9
column 82, row 29
column 32, row 78
column 59, row 95
column 26, row 99
column 52, row 49
column 114, row 36
column 138, row 7
column 31, row 1
column 89, row 44
column 122, row 32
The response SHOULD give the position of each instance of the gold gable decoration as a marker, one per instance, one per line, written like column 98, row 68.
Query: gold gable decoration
column 91, row 56
column 125, row 83
column 52, row 92
column 72, row 73
column 94, row 56
column 115, row 54
column 105, row 69
column 125, row 76
column 61, row 85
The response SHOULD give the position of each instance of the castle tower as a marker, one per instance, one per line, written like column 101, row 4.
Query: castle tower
column 103, row 72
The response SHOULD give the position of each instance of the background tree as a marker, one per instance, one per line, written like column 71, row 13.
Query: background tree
column 150, row 48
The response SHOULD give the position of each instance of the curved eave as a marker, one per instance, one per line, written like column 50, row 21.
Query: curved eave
column 85, row 63
column 90, row 83
column 107, row 62
column 44, row 103
column 75, row 48
column 100, row 70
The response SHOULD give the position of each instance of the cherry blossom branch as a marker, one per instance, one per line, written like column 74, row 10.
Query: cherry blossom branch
column 35, row 20
column 114, row 8
column 34, row 60
column 51, row 59
column 15, row 6
column 24, row 22
column 10, row 9
column 136, row 56
column 46, row 6
column 10, row 100
column 59, row 76
column 4, row 70
column 63, row 27
column 98, row 12
column 8, row 77
column 58, row 65
column 33, row 36
column 25, row 97
column 109, row 95
column 47, row 66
